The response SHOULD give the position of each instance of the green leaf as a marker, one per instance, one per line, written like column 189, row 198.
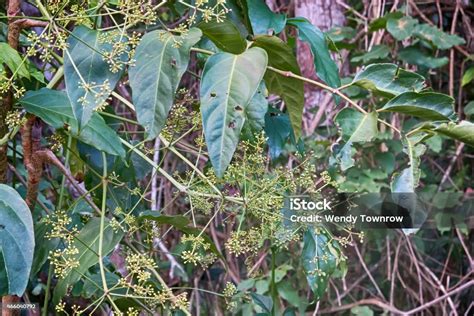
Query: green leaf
column 326, row 68
column 13, row 60
column 338, row 33
column 86, row 65
column 426, row 105
column 415, row 56
column 437, row 37
column 355, row 127
column 17, row 242
column 362, row 311
column 319, row 261
column 381, row 23
column 277, row 130
column 227, row 86
column 377, row 52
column 291, row 90
column 464, row 131
column 225, row 35
column 401, row 28
column 54, row 108
column 263, row 20
column 388, row 79
column 469, row 108
column 174, row 220
column 87, row 243
column 265, row 302
column 409, row 178
column 255, row 112
column 43, row 246
column 156, row 75
column 468, row 76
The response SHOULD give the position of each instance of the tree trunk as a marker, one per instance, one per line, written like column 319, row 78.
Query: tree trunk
column 325, row 14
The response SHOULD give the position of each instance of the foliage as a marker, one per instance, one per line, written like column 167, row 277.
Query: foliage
column 152, row 147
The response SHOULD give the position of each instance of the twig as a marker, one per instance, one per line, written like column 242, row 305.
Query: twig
column 368, row 271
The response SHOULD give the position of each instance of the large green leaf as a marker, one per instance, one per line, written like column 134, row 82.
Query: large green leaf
column 160, row 64
column 437, row 37
column 401, row 28
column 355, row 127
column 319, row 260
column 427, row 105
column 89, row 79
column 388, row 79
column 407, row 180
column 225, row 35
column 54, row 108
column 12, row 59
column 87, row 242
column 464, row 131
column 17, row 242
column 227, row 86
column 326, row 68
column 289, row 89
column 263, row 20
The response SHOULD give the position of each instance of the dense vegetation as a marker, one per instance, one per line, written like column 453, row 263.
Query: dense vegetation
column 148, row 150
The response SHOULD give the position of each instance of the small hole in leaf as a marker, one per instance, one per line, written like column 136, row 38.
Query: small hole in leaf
column 238, row 108
column 173, row 62
column 213, row 94
column 2, row 227
column 232, row 124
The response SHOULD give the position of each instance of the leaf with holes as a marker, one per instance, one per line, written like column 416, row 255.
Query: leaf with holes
column 227, row 86
column 427, row 105
column 87, row 70
column 355, row 127
column 17, row 242
column 388, row 79
column 156, row 75
column 290, row 89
